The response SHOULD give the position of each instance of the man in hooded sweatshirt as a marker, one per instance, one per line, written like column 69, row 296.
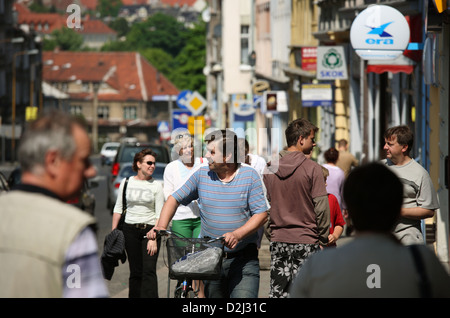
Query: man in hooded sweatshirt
column 300, row 214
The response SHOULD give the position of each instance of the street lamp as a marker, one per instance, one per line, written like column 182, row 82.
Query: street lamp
column 13, row 98
column 217, row 71
column 96, row 87
column 96, row 83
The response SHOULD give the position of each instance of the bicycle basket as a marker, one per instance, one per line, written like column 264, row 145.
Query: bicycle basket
column 194, row 258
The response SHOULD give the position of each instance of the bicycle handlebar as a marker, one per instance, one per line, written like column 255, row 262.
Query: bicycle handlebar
column 167, row 233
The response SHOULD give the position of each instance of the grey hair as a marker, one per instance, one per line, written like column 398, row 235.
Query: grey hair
column 51, row 132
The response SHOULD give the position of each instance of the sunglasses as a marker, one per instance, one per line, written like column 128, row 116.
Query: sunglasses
column 150, row 163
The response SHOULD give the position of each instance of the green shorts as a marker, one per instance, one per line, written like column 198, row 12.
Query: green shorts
column 187, row 227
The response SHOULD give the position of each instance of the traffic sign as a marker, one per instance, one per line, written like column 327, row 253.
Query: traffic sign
column 163, row 126
column 196, row 103
column 183, row 98
column 196, row 124
column 180, row 118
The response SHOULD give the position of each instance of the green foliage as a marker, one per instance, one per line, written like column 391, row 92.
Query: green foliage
column 109, row 8
column 66, row 39
column 117, row 46
column 120, row 25
column 177, row 52
column 159, row 31
column 159, row 58
column 189, row 63
column 38, row 7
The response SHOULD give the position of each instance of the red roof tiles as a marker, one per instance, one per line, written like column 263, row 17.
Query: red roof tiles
column 127, row 73
column 48, row 22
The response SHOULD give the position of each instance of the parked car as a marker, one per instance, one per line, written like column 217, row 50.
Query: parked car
column 86, row 200
column 126, row 171
column 4, row 187
column 127, row 150
column 108, row 152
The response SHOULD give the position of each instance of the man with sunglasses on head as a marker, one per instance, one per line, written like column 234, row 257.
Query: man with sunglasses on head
column 232, row 204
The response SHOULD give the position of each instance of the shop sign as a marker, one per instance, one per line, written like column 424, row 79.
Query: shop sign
column 331, row 63
column 379, row 32
column 314, row 95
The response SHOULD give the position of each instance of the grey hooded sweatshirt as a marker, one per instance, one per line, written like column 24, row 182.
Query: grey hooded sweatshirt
column 296, row 189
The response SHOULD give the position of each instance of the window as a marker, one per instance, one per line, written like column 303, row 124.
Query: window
column 103, row 112
column 129, row 112
column 76, row 109
column 245, row 44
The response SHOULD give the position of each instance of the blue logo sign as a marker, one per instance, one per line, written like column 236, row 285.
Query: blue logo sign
column 380, row 30
column 386, row 38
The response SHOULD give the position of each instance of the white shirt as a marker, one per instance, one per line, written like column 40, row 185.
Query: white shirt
column 257, row 162
column 175, row 175
column 145, row 199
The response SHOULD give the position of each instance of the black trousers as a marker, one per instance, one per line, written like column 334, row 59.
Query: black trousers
column 143, row 282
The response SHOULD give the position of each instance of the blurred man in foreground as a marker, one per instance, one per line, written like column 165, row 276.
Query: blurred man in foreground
column 47, row 247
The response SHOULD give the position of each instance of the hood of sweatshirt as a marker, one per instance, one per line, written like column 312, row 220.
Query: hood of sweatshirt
column 288, row 163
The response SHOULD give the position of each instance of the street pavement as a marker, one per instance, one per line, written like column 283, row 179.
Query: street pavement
column 165, row 284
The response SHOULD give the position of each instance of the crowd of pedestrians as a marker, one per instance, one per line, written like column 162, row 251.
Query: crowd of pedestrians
column 230, row 193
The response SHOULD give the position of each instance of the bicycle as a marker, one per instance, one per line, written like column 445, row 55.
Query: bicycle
column 192, row 259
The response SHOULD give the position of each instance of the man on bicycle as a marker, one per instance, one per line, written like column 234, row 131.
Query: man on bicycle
column 232, row 204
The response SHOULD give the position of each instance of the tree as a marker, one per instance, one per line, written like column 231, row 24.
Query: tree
column 162, row 60
column 189, row 63
column 121, row 26
column 177, row 52
column 66, row 39
column 109, row 8
column 159, row 31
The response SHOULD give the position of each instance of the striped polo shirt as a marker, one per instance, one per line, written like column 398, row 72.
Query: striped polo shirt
column 224, row 207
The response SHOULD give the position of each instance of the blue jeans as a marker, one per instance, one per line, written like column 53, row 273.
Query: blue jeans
column 239, row 278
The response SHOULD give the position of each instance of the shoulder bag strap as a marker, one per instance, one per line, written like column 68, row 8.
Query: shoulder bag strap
column 124, row 198
column 124, row 206
column 424, row 284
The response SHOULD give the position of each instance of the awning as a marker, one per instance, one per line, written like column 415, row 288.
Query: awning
column 50, row 91
column 400, row 64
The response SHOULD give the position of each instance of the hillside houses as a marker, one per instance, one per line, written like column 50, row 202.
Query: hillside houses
column 132, row 95
column 95, row 33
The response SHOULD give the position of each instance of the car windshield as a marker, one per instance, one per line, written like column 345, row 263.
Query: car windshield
column 111, row 147
column 158, row 173
column 127, row 171
column 129, row 152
